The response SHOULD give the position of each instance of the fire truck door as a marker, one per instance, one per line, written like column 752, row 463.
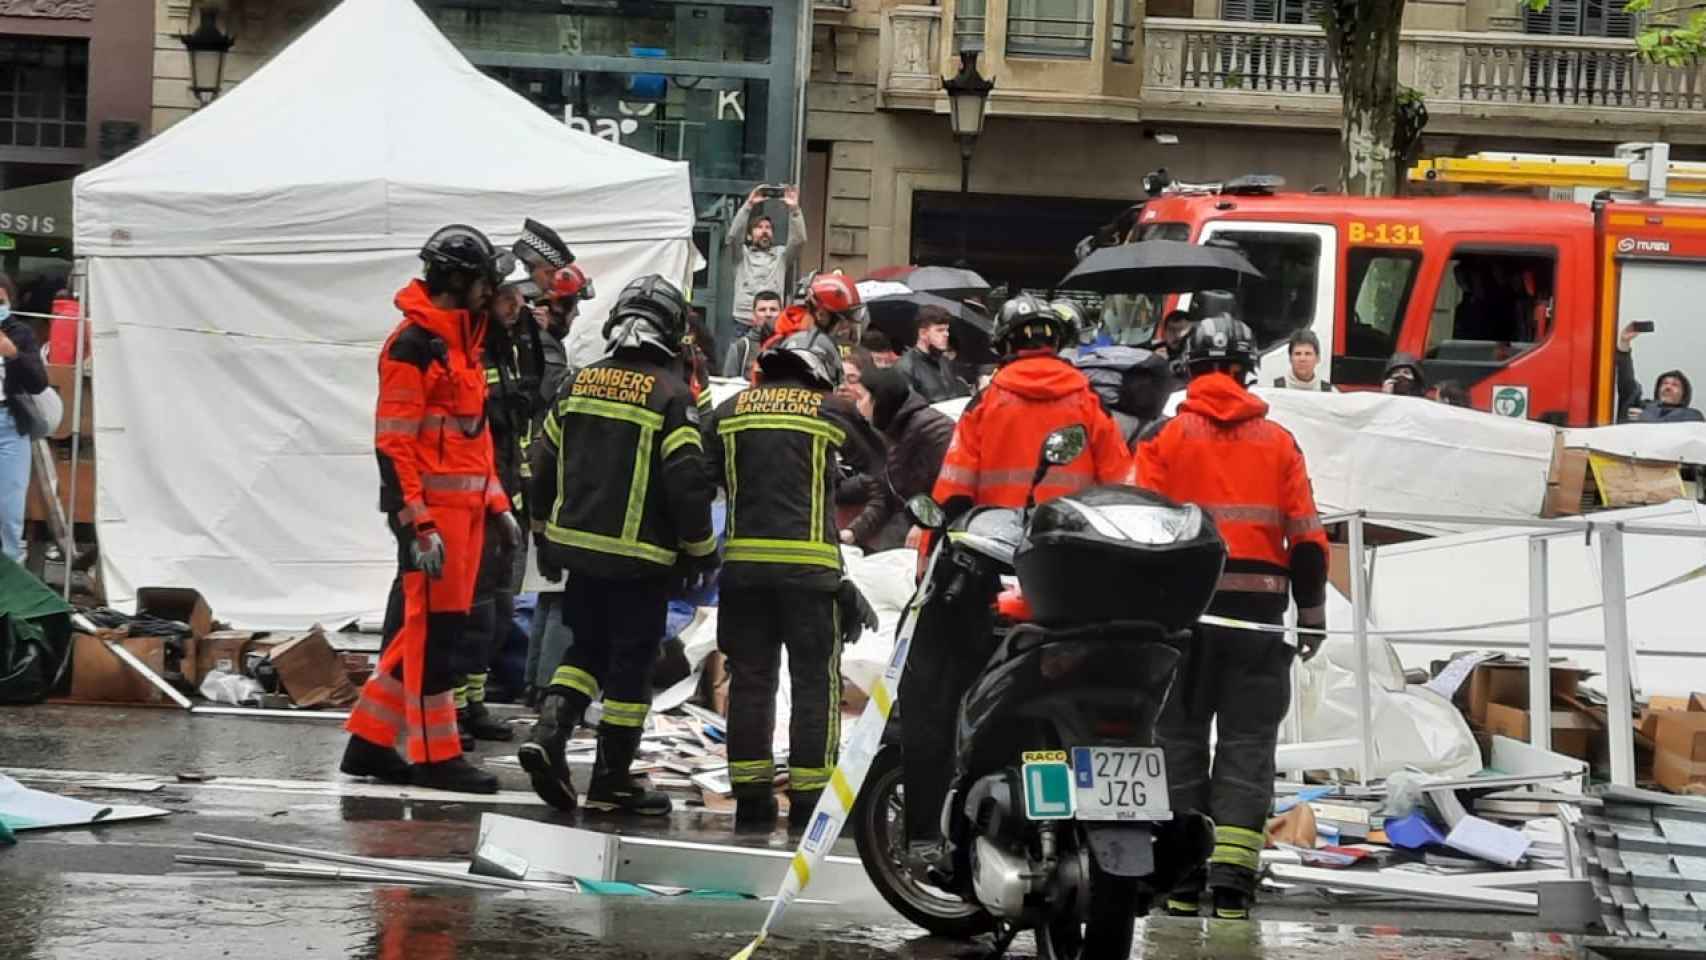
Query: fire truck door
column 1300, row 265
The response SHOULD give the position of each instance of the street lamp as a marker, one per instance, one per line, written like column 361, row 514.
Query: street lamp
column 968, row 95
column 207, row 47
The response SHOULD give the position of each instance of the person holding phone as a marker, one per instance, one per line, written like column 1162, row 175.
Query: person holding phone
column 1673, row 392
column 751, row 242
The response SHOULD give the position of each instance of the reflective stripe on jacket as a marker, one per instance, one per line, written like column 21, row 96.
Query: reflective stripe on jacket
column 1223, row 454
column 621, row 463
column 998, row 441
column 430, row 430
column 776, row 449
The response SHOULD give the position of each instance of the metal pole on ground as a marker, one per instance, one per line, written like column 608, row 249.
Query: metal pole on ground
column 1614, row 594
column 1359, row 628
column 1539, row 646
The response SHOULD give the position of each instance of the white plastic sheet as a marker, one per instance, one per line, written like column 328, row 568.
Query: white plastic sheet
column 242, row 271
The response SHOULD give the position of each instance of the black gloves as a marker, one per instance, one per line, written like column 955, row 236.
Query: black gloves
column 1309, row 644
column 856, row 613
column 543, row 559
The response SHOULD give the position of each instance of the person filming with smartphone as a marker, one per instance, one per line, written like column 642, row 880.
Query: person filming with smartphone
column 1673, row 392
column 759, row 265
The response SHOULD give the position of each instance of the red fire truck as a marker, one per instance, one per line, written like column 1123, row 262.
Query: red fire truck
column 1519, row 299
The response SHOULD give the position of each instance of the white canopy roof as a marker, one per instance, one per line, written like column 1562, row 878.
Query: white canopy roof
column 358, row 136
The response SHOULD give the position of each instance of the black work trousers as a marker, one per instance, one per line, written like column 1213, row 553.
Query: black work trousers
column 494, row 604
column 618, row 627
column 753, row 627
column 950, row 647
column 1240, row 682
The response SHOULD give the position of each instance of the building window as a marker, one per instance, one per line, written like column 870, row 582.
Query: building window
column 44, row 93
column 715, row 123
column 970, row 20
column 1050, row 28
column 1123, row 37
column 1581, row 18
column 676, row 31
column 1272, row 11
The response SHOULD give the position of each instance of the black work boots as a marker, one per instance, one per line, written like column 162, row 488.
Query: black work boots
column 476, row 721
column 542, row 755
column 801, row 803
column 364, row 758
column 755, row 809
column 454, row 774
column 616, row 790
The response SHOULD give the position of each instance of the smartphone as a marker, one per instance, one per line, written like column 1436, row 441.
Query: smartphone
column 769, row 191
column 1642, row 326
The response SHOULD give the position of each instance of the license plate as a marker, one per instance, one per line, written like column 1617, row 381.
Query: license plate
column 1120, row 783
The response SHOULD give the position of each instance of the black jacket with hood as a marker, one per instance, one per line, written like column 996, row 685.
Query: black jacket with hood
column 918, row 439
column 1652, row 411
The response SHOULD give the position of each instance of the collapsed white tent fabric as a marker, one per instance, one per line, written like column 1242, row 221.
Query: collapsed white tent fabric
column 241, row 273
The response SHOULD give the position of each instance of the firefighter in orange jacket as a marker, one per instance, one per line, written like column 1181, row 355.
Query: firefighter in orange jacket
column 438, row 482
column 1222, row 453
column 990, row 462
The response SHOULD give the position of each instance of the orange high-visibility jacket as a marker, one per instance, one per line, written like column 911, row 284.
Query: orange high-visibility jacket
column 998, row 441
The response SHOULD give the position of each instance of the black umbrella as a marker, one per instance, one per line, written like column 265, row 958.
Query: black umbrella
column 1160, row 266
column 896, row 315
column 951, row 282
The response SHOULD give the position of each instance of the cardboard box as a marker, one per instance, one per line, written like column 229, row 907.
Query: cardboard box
column 1565, row 482
column 222, row 650
column 182, row 604
column 96, row 674
column 1626, row 482
column 312, row 673
column 1572, row 733
column 1506, row 682
column 1680, row 755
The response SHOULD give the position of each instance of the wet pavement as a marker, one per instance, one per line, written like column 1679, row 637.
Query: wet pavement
column 116, row 891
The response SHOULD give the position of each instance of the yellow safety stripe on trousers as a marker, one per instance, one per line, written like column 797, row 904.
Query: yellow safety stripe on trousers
column 1238, row 847
column 752, row 771
column 808, row 778
column 681, row 437
column 700, row 548
column 493, row 375
column 599, row 543
column 619, row 713
column 758, row 550
column 784, row 421
column 459, row 696
column 576, row 679
column 476, row 688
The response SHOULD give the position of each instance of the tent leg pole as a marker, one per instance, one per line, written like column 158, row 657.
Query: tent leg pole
column 1539, row 646
column 1359, row 628
column 1614, row 594
column 76, row 445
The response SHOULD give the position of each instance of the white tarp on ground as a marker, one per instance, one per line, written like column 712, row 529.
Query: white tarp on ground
column 1482, row 576
column 242, row 268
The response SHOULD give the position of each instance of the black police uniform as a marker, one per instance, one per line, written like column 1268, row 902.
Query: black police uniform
column 775, row 448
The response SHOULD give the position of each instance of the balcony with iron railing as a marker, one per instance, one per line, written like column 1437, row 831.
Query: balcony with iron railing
column 1100, row 66
column 1053, row 58
column 1281, row 75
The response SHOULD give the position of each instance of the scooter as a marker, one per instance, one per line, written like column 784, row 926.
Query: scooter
column 1057, row 819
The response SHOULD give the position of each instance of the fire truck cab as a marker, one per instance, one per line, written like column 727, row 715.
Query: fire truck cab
column 1517, row 299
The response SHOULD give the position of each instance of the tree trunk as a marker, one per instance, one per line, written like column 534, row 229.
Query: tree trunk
column 1363, row 38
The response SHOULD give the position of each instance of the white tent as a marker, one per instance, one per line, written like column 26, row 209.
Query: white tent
column 241, row 273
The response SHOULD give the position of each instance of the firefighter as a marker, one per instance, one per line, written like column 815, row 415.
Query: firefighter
column 437, row 486
column 1222, row 453
column 783, row 583
column 991, row 460
column 512, row 386
column 621, row 463
column 828, row 302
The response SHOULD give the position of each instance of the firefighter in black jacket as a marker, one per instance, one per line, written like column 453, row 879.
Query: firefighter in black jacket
column 622, row 469
column 783, row 582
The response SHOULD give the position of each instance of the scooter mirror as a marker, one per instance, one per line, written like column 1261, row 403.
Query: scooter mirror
column 926, row 512
column 1065, row 445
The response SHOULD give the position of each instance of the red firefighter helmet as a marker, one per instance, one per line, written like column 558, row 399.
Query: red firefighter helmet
column 836, row 301
column 570, row 282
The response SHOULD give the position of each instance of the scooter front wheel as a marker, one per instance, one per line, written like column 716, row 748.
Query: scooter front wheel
column 879, row 829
